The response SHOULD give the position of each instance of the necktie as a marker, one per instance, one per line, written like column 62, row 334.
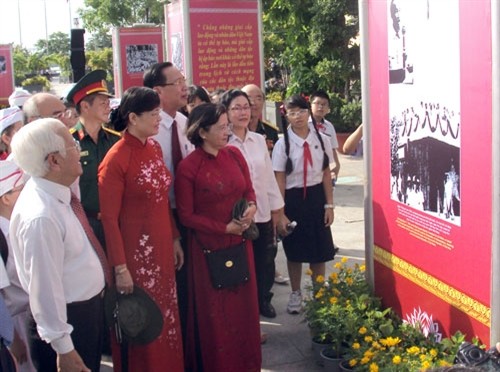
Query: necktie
column 176, row 147
column 307, row 160
column 320, row 125
column 80, row 214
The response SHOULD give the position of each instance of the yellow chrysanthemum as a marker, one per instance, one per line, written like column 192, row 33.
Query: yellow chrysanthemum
column 368, row 338
column 349, row 281
column 338, row 265
column 320, row 293
column 353, row 362
column 349, row 271
column 356, row 345
column 396, row 359
column 309, row 272
column 422, row 357
column 373, row 367
column 334, row 276
column 344, row 260
column 335, row 281
column 336, row 292
column 362, row 330
column 375, row 345
column 426, row 364
column 368, row 354
column 333, row 300
column 414, row 350
column 320, row 279
column 444, row 363
column 433, row 353
column 390, row 341
column 362, row 268
column 364, row 360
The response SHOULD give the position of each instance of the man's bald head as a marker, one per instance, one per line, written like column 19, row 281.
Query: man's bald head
column 257, row 100
column 44, row 105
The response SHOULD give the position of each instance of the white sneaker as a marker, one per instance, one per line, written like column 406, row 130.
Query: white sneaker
column 294, row 303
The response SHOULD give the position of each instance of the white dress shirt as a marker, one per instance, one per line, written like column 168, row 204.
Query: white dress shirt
column 314, row 174
column 164, row 138
column 268, row 194
column 328, row 130
column 54, row 259
column 16, row 297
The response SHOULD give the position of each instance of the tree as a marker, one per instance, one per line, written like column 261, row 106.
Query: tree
column 58, row 43
column 100, row 14
column 100, row 39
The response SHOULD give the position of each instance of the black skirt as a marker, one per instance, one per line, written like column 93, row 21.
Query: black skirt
column 311, row 241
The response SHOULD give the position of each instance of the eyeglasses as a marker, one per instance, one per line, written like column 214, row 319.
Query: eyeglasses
column 239, row 109
column 66, row 114
column 296, row 114
column 320, row 104
column 75, row 146
column 224, row 128
column 177, row 82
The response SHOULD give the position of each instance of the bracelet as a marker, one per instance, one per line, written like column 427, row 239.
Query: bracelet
column 329, row 206
column 121, row 270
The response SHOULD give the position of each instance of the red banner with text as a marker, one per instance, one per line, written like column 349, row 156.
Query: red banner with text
column 6, row 74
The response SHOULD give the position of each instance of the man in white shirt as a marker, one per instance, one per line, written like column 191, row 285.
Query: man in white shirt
column 56, row 263
column 168, row 81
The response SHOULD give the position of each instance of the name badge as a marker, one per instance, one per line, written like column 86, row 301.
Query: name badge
column 84, row 153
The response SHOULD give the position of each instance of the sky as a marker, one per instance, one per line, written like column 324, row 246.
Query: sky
column 31, row 15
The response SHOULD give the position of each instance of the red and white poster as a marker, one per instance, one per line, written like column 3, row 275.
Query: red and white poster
column 135, row 49
column 431, row 122
column 223, row 49
column 6, row 74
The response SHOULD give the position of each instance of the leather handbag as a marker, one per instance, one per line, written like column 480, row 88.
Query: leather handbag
column 228, row 267
column 252, row 233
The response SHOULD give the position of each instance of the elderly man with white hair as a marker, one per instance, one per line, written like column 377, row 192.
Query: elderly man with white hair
column 59, row 260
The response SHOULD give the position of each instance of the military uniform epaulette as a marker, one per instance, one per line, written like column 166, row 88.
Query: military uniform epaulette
column 112, row 131
column 271, row 125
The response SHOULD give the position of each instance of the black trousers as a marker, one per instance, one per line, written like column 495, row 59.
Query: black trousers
column 264, row 252
column 86, row 317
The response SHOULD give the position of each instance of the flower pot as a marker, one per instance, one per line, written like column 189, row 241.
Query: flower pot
column 317, row 347
column 331, row 361
column 344, row 366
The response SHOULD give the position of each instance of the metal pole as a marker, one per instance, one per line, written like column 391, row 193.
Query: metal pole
column 46, row 32
column 495, row 221
column 365, row 89
column 19, row 21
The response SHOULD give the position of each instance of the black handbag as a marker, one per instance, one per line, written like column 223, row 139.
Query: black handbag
column 228, row 267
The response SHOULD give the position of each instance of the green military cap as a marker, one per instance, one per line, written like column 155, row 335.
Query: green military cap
column 93, row 82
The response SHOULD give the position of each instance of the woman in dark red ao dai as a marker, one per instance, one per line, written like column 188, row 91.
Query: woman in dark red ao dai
column 141, row 237
column 223, row 324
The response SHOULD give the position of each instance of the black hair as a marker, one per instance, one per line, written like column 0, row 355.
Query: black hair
column 298, row 101
column 135, row 100
column 197, row 91
column 230, row 95
column 216, row 94
column 153, row 76
column 203, row 117
column 89, row 99
column 320, row 94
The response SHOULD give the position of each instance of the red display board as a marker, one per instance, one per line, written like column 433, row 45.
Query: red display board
column 135, row 49
column 431, row 121
column 6, row 74
column 221, row 48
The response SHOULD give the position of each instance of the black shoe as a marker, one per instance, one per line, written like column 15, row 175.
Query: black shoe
column 267, row 310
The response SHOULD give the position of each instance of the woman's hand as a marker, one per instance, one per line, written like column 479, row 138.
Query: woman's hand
column 123, row 280
column 280, row 222
column 329, row 216
column 236, row 227
column 18, row 348
column 178, row 255
column 249, row 213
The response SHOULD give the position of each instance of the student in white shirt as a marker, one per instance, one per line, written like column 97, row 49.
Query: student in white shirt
column 300, row 161
column 56, row 263
column 270, row 202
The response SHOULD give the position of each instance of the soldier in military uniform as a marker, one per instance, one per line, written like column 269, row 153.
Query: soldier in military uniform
column 91, row 98
column 257, row 100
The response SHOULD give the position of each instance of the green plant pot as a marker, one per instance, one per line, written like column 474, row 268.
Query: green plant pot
column 331, row 361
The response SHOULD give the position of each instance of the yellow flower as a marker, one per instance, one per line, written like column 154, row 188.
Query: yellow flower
column 353, row 362
column 433, row 353
column 349, row 271
column 368, row 338
column 444, row 363
column 422, row 357
column 349, row 281
column 338, row 265
column 390, row 341
column 362, row 268
column 426, row 365
column 334, row 276
column 320, row 279
column 344, row 260
column 375, row 345
column 336, row 292
column 333, row 300
column 373, row 367
column 396, row 359
column 368, row 353
column 364, row 360
column 362, row 330
column 309, row 272
column 356, row 345
column 320, row 293
column 414, row 350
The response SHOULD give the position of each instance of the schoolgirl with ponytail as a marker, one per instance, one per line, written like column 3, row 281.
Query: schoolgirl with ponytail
column 301, row 165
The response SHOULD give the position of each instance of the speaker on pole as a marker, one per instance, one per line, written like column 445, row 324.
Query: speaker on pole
column 77, row 57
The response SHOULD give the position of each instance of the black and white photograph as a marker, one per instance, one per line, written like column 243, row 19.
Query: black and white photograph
column 141, row 57
column 424, row 122
column 3, row 65
column 177, row 51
